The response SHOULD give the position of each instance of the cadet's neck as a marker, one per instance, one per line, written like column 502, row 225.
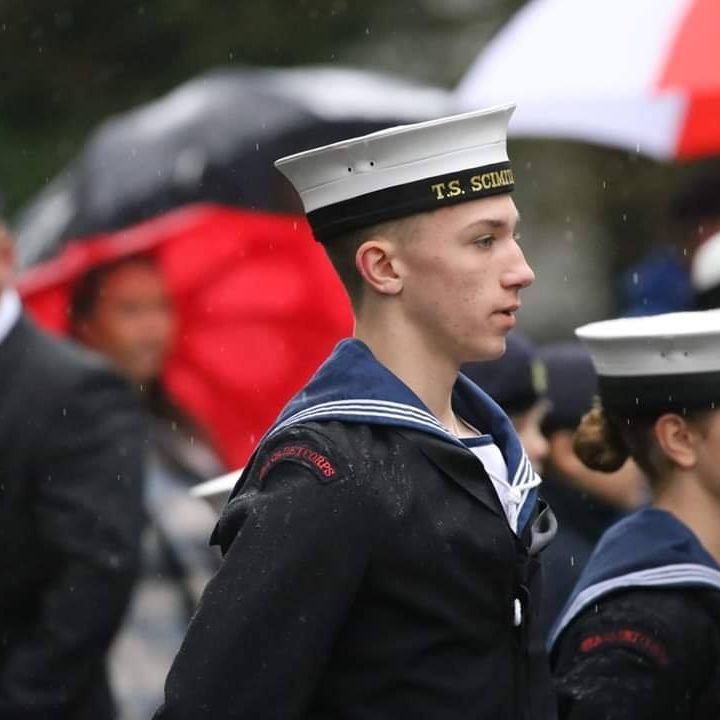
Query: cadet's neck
column 688, row 500
column 421, row 365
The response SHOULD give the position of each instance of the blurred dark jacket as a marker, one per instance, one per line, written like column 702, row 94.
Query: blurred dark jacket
column 582, row 518
column 71, row 444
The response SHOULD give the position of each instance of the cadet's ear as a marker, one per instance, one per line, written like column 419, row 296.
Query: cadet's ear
column 677, row 439
column 376, row 261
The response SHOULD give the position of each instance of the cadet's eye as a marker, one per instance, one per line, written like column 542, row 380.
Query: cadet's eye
column 485, row 241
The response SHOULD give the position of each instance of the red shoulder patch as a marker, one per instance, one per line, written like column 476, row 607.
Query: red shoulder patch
column 626, row 637
column 302, row 454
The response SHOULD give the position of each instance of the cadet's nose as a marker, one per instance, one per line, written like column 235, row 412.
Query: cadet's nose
column 520, row 274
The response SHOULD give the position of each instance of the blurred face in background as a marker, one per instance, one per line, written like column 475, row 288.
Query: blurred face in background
column 6, row 257
column 130, row 319
column 527, row 424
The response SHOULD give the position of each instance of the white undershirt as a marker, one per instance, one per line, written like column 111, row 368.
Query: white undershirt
column 10, row 309
column 494, row 463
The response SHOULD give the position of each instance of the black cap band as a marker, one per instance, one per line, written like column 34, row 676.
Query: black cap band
column 650, row 395
column 409, row 199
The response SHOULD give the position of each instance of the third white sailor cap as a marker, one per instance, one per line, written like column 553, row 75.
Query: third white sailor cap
column 668, row 362
column 402, row 171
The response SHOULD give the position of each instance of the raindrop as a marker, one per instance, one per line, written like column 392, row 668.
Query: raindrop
column 635, row 278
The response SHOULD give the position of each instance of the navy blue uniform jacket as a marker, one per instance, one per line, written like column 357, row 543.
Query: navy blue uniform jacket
column 370, row 570
column 640, row 636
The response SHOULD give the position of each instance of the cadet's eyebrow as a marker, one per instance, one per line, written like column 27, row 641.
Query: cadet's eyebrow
column 490, row 222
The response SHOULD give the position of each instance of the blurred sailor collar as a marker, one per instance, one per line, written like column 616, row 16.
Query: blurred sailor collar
column 402, row 171
column 660, row 363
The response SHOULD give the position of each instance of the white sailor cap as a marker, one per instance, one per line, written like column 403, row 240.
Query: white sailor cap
column 660, row 363
column 402, row 171
column 705, row 273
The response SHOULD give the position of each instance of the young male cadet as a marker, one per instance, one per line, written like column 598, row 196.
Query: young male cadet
column 371, row 569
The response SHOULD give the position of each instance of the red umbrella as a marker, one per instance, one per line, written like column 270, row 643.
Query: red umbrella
column 644, row 75
column 258, row 303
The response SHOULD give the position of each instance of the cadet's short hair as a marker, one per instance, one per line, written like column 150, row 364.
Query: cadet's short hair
column 341, row 251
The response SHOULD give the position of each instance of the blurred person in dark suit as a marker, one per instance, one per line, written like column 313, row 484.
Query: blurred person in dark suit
column 586, row 502
column 71, row 516
column 123, row 310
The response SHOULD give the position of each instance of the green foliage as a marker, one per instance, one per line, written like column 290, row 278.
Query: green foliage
column 66, row 65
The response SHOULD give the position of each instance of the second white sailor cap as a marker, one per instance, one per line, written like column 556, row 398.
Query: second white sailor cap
column 402, row 171
column 668, row 362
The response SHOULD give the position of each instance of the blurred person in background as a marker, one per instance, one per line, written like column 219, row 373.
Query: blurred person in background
column 661, row 282
column 517, row 383
column 640, row 635
column 586, row 502
column 71, row 517
column 123, row 310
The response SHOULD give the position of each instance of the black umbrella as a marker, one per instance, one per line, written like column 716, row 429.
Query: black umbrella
column 213, row 139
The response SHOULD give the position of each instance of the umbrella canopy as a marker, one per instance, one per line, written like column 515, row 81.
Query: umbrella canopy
column 642, row 75
column 258, row 304
column 213, row 139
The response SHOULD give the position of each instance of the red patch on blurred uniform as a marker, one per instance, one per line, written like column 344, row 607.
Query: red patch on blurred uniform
column 298, row 452
column 626, row 636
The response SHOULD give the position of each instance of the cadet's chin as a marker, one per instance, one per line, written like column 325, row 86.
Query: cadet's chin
column 491, row 349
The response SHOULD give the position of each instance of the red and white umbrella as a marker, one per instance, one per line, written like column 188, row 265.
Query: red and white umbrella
column 639, row 74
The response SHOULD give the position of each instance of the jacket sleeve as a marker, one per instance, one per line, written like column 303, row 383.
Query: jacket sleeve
column 88, row 510
column 263, row 633
column 639, row 654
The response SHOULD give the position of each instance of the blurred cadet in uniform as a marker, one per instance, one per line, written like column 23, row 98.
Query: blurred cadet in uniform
column 123, row 310
column 640, row 635
column 371, row 567
column 661, row 282
column 70, row 517
column 517, row 382
column 586, row 502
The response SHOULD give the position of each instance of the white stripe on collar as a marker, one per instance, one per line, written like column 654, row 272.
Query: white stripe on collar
column 524, row 479
column 688, row 574
column 10, row 309
column 370, row 408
